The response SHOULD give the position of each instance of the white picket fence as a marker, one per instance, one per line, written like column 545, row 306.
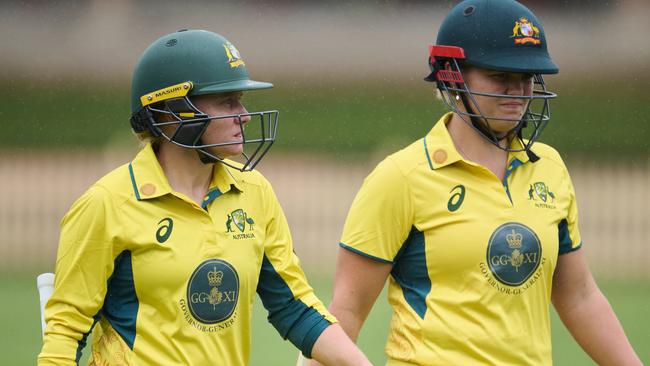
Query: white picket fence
column 36, row 189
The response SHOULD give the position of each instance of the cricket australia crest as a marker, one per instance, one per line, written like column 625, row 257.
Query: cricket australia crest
column 241, row 221
column 539, row 191
column 234, row 58
column 525, row 32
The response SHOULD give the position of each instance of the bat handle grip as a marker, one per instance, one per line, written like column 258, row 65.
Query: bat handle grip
column 45, row 284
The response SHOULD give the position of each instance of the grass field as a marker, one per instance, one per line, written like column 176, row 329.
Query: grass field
column 21, row 341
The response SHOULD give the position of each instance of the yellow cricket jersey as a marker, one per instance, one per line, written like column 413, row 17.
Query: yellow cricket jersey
column 473, row 257
column 164, row 281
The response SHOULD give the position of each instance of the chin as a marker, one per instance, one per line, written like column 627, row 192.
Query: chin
column 512, row 115
column 227, row 152
column 500, row 126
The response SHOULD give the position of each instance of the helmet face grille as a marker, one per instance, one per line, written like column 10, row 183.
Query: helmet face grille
column 258, row 131
column 257, row 138
column 189, row 63
column 499, row 35
column 527, row 129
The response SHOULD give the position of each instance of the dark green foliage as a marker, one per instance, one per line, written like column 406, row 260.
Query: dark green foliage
column 351, row 118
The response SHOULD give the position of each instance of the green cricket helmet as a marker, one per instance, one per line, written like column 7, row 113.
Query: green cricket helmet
column 189, row 63
column 500, row 35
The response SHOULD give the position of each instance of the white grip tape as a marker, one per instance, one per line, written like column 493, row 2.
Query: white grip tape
column 45, row 284
column 301, row 359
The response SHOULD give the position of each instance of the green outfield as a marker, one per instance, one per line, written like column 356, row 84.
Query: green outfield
column 21, row 343
column 334, row 117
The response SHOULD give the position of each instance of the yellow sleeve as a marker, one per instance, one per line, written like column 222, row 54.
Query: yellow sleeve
column 84, row 264
column 381, row 215
column 569, row 234
column 294, row 310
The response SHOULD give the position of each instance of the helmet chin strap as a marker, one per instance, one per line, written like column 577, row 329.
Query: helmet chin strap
column 483, row 128
column 205, row 158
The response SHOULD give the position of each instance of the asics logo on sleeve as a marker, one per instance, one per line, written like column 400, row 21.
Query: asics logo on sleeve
column 165, row 231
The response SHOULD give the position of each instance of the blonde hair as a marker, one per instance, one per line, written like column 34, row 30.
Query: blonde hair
column 439, row 95
column 147, row 138
column 450, row 97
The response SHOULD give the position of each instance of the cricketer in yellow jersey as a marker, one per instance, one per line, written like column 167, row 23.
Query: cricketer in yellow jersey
column 162, row 256
column 475, row 227
column 471, row 257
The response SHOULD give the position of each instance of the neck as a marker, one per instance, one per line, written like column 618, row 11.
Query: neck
column 474, row 147
column 184, row 170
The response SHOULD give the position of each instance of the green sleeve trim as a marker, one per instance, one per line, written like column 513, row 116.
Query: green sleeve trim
column 292, row 318
column 565, row 244
column 309, row 337
column 570, row 250
column 357, row 251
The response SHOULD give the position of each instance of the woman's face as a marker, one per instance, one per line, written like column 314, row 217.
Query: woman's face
column 499, row 82
column 225, row 129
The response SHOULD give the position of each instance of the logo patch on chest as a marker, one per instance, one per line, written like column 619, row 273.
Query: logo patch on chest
column 541, row 195
column 164, row 229
column 514, row 252
column 213, row 291
column 241, row 221
column 456, row 198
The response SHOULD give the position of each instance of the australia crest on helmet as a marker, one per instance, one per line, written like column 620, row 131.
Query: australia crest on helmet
column 525, row 32
column 234, row 58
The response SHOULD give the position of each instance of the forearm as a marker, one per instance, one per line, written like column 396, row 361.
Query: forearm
column 357, row 284
column 349, row 320
column 595, row 327
column 333, row 347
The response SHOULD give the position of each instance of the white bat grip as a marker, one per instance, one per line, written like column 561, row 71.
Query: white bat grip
column 301, row 359
column 45, row 284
